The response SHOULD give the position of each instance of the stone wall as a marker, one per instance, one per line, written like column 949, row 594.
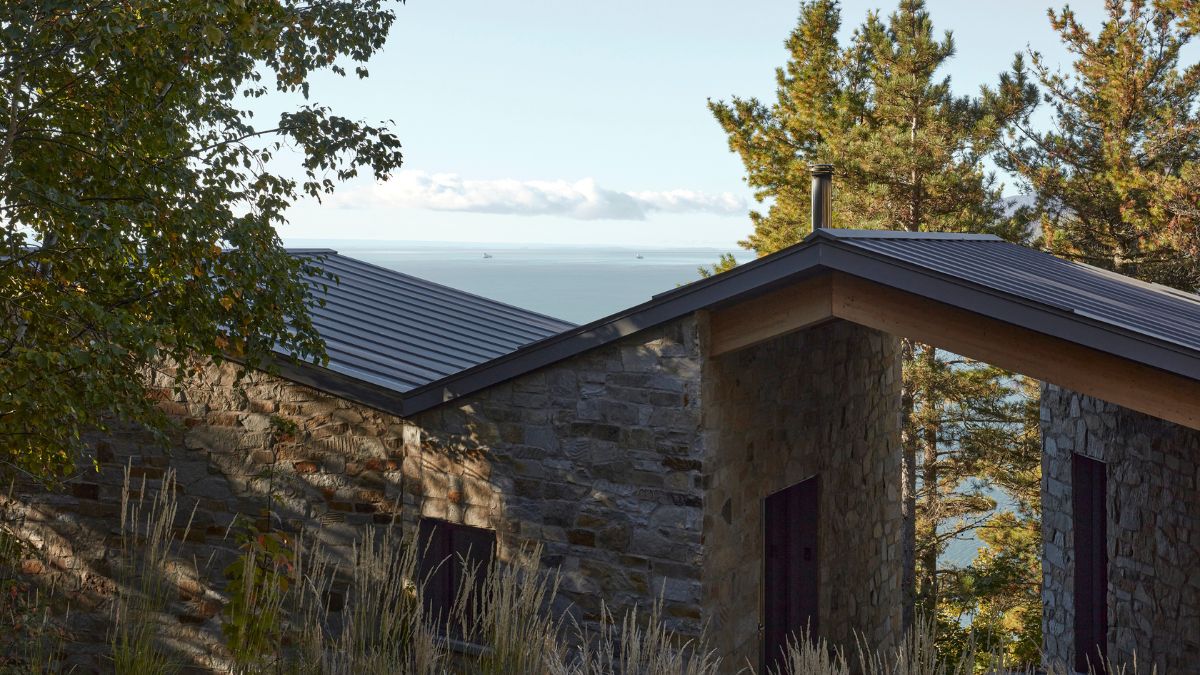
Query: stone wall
column 821, row 401
column 596, row 458
column 1153, row 505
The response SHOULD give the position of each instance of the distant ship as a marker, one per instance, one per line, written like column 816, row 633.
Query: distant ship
column 640, row 256
column 487, row 255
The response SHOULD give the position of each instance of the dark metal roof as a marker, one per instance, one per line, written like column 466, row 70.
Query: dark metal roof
column 1089, row 292
column 1145, row 323
column 398, row 332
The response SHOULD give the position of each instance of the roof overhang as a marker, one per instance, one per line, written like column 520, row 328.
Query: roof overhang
column 1072, row 364
column 827, row 277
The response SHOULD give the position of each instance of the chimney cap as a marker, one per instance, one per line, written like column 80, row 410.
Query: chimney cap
column 822, row 195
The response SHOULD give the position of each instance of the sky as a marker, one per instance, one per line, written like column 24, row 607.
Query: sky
column 585, row 123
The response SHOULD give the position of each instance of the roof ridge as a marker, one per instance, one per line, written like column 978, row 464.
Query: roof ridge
column 309, row 251
column 899, row 234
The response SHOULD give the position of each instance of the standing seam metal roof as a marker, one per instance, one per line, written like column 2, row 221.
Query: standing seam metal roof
column 1147, row 309
column 405, row 345
column 400, row 332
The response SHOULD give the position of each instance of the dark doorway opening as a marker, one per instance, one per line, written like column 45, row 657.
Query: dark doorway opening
column 450, row 555
column 1090, row 514
column 790, row 574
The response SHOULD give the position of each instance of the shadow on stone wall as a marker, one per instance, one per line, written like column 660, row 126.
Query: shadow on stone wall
column 596, row 459
column 280, row 456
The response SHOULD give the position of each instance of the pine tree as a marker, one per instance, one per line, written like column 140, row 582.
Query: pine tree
column 909, row 155
column 1000, row 591
column 777, row 144
column 1118, row 173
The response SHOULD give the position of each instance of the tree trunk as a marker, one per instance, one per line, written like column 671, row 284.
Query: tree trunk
column 908, row 500
column 929, row 429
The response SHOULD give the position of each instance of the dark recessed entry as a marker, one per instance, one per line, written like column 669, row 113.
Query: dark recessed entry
column 1089, row 487
column 447, row 550
column 790, row 578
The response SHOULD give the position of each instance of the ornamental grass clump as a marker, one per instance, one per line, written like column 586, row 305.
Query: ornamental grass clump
column 508, row 614
column 381, row 627
column 145, row 577
column 917, row 654
column 31, row 640
column 634, row 645
column 294, row 607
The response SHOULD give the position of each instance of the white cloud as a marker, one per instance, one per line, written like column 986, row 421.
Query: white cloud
column 581, row 199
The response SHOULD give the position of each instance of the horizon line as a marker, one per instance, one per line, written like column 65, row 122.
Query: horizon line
column 291, row 241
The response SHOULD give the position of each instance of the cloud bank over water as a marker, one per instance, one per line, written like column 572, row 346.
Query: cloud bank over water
column 581, row 200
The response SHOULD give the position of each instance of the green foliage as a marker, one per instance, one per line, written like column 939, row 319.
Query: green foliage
column 138, row 198
column 1000, row 592
column 259, row 581
column 1118, row 172
column 725, row 263
column 977, row 429
column 908, row 153
column 283, row 429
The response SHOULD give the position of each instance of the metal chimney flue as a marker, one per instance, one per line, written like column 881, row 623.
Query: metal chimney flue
column 822, row 195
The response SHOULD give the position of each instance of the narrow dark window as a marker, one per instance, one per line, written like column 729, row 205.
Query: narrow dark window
column 447, row 551
column 790, row 580
column 1090, row 516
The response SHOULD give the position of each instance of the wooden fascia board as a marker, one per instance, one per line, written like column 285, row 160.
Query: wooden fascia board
column 837, row 295
column 1089, row 371
column 784, row 310
column 1057, row 322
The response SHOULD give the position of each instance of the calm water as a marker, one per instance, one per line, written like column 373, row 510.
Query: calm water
column 575, row 283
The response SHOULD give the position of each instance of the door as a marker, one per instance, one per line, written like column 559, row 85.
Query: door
column 1089, row 488
column 447, row 550
column 790, row 578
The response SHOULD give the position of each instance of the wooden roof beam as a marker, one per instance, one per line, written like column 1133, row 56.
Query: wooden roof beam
column 836, row 295
column 784, row 310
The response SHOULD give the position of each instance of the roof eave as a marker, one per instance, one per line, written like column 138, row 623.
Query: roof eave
column 1072, row 326
column 743, row 281
column 339, row 384
column 816, row 255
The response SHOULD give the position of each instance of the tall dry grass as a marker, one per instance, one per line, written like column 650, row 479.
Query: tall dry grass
column 365, row 614
column 916, row 654
column 507, row 614
column 32, row 641
column 145, row 577
column 381, row 627
column 637, row 645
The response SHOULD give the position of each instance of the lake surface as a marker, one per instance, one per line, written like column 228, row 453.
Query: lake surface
column 574, row 283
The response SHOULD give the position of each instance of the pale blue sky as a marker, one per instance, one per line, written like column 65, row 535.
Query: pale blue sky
column 566, row 121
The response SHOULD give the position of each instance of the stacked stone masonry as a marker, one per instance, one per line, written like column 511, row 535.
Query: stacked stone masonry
column 819, row 402
column 1153, row 509
column 597, row 459
column 638, row 467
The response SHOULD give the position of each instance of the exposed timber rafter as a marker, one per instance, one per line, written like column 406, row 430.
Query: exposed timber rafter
column 836, row 295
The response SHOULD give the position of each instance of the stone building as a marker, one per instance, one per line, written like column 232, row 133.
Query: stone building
column 1140, row 597
column 731, row 445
